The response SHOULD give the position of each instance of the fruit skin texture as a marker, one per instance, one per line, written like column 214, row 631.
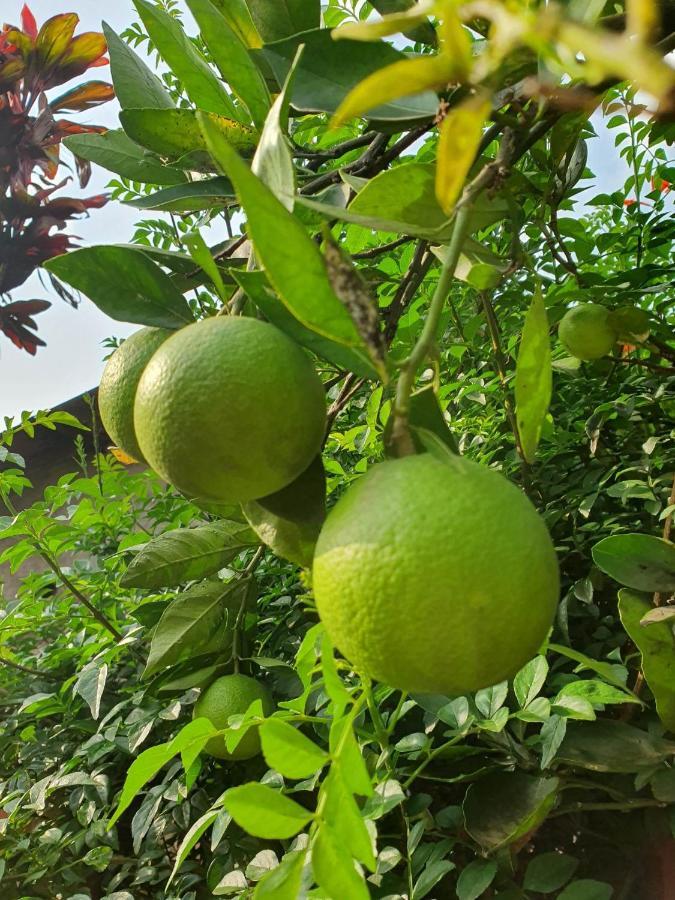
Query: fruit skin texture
column 228, row 696
column 587, row 331
column 435, row 576
column 119, row 382
column 230, row 409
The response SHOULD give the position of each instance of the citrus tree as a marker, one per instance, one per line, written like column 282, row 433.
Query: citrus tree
column 388, row 287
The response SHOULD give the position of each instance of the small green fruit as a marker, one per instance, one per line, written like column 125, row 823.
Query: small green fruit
column 587, row 331
column 228, row 696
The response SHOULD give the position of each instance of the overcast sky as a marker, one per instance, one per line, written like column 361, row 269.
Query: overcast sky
column 72, row 361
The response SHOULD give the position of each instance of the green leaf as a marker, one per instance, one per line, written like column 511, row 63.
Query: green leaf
column 345, row 818
column 294, row 266
column 287, row 750
column 135, row 84
column 595, row 692
column 187, row 64
column 117, row 153
column 426, row 419
column 548, row 872
column 175, row 133
column 503, row 807
column 432, row 873
column 656, row 644
column 552, row 735
column 284, row 882
column 231, row 56
column 290, row 520
column 530, row 680
column 201, row 254
column 264, row 812
column 187, row 554
column 333, row 867
column 90, row 685
column 211, row 193
column 587, row 889
column 534, row 377
column 663, row 785
column 347, row 754
column 611, row 746
column 191, row 838
column 257, row 287
column 607, row 670
column 197, row 622
column 475, row 879
column 238, row 17
column 640, row 561
column 144, row 768
column 423, row 33
column 277, row 19
column 148, row 297
column 328, row 70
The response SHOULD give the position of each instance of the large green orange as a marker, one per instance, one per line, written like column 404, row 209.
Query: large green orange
column 230, row 409
column 435, row 576
column 119, row 383
column 587, row 331
column 228, row 696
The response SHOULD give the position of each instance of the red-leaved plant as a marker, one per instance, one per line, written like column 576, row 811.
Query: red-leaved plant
column 32, row 61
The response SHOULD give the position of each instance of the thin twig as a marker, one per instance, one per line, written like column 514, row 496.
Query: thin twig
column 28, row 671
column 382, row 248
column 417, row 271
column 633, row 361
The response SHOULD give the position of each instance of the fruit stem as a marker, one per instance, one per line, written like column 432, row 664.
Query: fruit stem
column 400, row 432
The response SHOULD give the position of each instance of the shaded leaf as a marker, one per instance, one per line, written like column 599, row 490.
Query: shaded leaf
column 192, row 197
column 277, row 19
column 611, row 746
column 148, row 298
column 475, row 879
column 548, row 872
column 639, row 561
column 187, row 554
column 117, row 153
column 587, row 889
column 504, row 807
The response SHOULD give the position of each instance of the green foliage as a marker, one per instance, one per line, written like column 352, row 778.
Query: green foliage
column 132, row 600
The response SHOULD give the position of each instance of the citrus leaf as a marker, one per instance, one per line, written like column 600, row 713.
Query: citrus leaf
column 177, row 50
column 639, row 561
column 230, row 54
column 534, row 377
column 176, row 133
column 191, row 838
column 197, row 622
column 288, row 750
column 277, row 19
column 530, row 680
column 400, row 79
column 458, row 144
column 607, row 670
column 334, row 869
column 187, row 554
column 238, row 17
column 117, row 153
column 587, row 889
column 90, row 685
column 611, row 746
column 656, row 644
column 504, row 807
column 475, row 879
column 148, row 298
column 329, row 69
column 548, row 872
column 294, row 266
column 264, row 812
column 257, row 287
column 284, row 882
column 192, row 197
column 135, row 84
column 423, row 33
column 394, row 22
column 346, row 819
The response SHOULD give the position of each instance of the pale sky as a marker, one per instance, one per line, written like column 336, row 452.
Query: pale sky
column 72, row 361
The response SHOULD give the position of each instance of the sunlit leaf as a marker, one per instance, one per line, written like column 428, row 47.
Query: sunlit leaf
column 534, row 377
column 458, row 144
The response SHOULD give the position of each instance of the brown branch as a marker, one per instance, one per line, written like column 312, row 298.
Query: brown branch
column 382, row 248
column 644, row 363
column 28, row 671
column 417, row 271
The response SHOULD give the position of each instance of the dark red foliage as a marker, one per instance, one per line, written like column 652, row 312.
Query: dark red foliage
column 32, row 221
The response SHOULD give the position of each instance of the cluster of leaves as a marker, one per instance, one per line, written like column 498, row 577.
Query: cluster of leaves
column 33, row 61
column 558, row 783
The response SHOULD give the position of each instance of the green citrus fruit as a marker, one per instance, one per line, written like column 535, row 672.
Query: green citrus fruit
column 228, row 696
column 631, row 323
column 435, row 576
column 118, row 386
column 587, row 331
column 230, row 409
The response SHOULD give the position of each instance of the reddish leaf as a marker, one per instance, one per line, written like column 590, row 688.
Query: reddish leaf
column 28, row 22
column 84, row 96
column 83, row 52
column 54, row 38
column 17, row 318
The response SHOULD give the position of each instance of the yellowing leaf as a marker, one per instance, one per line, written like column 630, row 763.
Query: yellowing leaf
column 401, row 79
column 457, row 147
column 643, row 18
column 388, row 25
column 534, row 378
column 455, row 43
column 122, row 457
